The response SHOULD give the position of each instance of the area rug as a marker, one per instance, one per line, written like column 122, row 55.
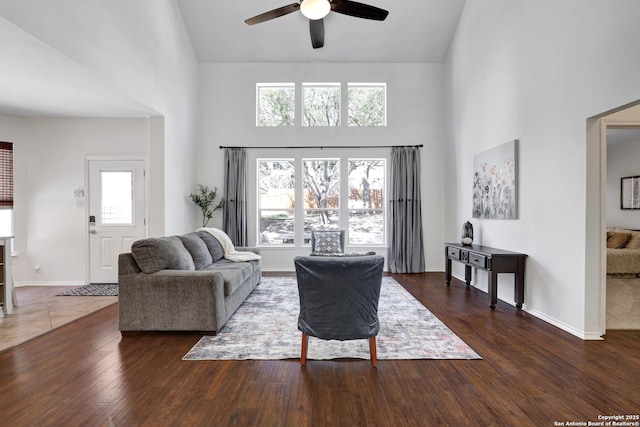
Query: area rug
column 265, row 328
column 93, row 290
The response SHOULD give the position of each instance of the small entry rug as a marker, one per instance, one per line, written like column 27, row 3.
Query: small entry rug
column 265, row 328
column 93, row 290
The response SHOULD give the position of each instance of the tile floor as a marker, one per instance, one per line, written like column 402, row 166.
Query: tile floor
column 39, row 311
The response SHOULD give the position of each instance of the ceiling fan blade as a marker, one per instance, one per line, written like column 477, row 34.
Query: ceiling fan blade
column 359, row 10
column 316, row 28
column 275, row 13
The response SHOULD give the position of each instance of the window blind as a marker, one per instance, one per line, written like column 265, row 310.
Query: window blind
column 6, row 175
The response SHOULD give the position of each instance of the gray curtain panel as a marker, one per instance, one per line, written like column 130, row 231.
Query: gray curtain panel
column 235, row 195
column 406, row 248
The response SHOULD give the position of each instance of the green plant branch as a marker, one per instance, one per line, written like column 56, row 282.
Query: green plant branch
column 205, row 200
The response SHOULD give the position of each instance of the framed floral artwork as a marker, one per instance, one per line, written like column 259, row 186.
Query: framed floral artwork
column 495, row 186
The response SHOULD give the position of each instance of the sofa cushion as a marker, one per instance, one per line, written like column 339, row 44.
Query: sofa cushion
column 234, row 273
column 214, row 246
column 165, row 253
column 198, row 250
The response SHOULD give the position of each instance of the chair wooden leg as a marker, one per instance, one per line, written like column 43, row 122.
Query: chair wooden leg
column 303, row 353
column 373, row 351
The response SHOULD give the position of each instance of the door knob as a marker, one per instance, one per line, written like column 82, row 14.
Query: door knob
column 93, row 232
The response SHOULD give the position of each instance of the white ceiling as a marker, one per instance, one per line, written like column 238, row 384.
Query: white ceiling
column 36, row 80
column 414, row 31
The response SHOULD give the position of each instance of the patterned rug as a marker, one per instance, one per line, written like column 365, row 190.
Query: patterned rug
column 93, row 290
column 265, row 327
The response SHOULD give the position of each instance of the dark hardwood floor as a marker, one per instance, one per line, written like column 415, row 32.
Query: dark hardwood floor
column 532, row 374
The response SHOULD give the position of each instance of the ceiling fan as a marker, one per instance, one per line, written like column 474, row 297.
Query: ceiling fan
column 316, row 10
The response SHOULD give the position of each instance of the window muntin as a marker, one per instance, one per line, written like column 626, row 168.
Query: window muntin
column 321, row 104
column 116, row 197
column 276, row 201
column 275, row 104
column 367, row 104
column 366, row 201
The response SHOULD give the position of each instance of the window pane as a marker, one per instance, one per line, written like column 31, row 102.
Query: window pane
column 366, row 201
column 276, row 105
column 6, row 222
column 117, row 197
column 276, row 201
column 366, row 227
column 277, row 227
column 367, row 105
column 321, row 105
column 321, row 183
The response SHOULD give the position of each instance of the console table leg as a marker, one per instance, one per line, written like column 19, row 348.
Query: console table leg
column 447, row 271
column 467, row 274
column 519, row 297
column 493, row 289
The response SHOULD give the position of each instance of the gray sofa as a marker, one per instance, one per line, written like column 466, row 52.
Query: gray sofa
column 181, row 283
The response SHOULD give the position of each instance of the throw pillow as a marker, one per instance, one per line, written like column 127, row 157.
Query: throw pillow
column 153, row 255
column 215, row 248
column 198, row 250
column 634, row 241
column 618, row 240
column 327, row 242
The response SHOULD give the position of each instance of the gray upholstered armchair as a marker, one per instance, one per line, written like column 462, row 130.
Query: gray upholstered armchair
column 339, row 299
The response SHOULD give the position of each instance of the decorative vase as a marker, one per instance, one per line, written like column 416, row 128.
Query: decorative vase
column 467, row 233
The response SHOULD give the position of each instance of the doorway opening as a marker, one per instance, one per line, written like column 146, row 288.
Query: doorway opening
column 614, row 141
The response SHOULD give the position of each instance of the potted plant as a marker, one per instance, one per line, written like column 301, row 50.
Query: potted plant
column 205, row 200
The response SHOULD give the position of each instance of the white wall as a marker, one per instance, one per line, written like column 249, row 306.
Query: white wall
column 536, row 71
column 622, row 160
column 414, row 115
column 141, row 48
column 49, row 159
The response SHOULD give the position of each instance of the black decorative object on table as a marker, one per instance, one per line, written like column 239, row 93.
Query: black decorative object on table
column 467, row 233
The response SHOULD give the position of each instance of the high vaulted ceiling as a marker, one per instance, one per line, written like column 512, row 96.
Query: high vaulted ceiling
column 36, row 80
column 414, row 31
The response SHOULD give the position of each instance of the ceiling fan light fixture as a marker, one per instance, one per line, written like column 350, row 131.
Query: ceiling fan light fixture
column 315, row 9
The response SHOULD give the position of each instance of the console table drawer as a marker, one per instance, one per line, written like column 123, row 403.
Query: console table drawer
column 478, row 260
column 453, row 253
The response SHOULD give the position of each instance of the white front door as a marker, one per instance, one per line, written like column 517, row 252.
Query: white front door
column 117, row 206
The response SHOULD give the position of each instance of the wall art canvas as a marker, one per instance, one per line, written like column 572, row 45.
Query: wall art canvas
column 495, row 190
column 630, row 192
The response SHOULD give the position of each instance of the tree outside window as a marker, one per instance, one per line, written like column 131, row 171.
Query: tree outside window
column 321, row 104
column 367, row 104
column 276, row 104
column 321, row 195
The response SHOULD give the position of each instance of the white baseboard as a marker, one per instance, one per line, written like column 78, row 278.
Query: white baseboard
column 544, row 317
column 24, row 284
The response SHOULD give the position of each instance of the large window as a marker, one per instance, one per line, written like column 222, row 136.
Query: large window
column 321, row 104
column 275, row 104
column 276, row 201
column 355, row 204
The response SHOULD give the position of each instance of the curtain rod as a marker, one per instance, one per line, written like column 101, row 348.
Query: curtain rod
column 330, row 146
